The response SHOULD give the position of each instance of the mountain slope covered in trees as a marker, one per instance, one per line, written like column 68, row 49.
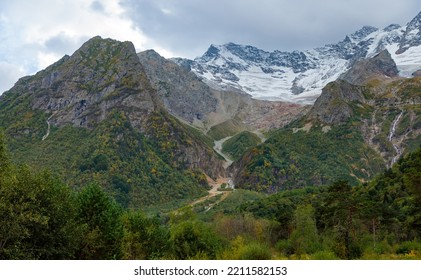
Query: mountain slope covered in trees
column 352, row 132
column 94, row 116
column 381, row 219
column 109, row 153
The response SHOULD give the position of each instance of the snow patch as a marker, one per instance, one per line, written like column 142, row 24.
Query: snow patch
column 299, row 77
column 407, row 62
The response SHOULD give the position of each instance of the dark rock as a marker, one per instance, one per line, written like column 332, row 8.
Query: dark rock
column 334, row 104
column 363, row 32
column 183, row 62
column 181, row 91
column 364, row 69
column 417, row 73
column 391, row 27
column 296, row 89
column 412, row 35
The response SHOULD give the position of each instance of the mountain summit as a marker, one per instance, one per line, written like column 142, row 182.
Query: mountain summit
column 152, row 130
column 412, row 35
column 299, row 76
column 94, row 116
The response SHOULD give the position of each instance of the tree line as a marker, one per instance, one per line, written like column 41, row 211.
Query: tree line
column 42, row 218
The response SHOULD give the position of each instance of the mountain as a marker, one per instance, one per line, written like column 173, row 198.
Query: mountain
column 358, row 126
column 299, row 76
column 152, row 131
column 94, row 116
column 170, row 148
column 138, row 124
column 411, row 36
column 381, row 65
column 218, row 113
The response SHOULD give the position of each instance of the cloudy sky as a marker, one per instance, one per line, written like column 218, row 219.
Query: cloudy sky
column 36, row 33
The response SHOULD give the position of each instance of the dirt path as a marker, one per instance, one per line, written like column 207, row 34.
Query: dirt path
column 217, row 184
column 214, row 191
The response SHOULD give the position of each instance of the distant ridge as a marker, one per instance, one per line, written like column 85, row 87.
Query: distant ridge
column 299, row 76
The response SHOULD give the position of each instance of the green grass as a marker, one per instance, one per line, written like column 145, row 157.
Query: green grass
column 199, row 135
column 236, row 146
column 225, row 129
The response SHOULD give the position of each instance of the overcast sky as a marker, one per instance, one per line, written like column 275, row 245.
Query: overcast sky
column 36, row 33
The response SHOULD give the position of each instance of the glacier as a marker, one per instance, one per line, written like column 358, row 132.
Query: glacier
column 299, row 76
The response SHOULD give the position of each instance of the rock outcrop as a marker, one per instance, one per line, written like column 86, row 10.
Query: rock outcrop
column 82, row 89
column 417, row 73
column 380, row 66
column 106, row 76
column 181, row 92
column 333, row 106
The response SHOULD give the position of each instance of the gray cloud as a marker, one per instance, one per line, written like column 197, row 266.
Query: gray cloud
column 8, row 73
column 34, row 34
column 97, row 7
column 64, row 44
column 188, row 27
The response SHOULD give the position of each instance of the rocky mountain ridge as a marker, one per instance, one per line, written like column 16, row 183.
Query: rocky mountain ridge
column 145, row 126
column 360, row 124
column 299, row 76
column 90, row 114
column 82, row 89
column 333, row 106
column 187, row 97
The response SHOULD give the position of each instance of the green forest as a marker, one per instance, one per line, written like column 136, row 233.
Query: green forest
column 43, row 218
column 98, row 163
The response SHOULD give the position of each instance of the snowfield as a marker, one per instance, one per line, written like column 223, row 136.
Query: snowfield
column 299, row 76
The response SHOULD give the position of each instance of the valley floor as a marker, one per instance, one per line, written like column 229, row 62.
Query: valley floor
column 216, row 185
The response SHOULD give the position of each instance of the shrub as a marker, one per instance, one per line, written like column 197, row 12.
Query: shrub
column 255, row 251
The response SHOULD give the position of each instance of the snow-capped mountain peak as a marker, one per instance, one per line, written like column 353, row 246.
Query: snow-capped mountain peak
column 412, row 35
column 363, row 32
column 299, row 76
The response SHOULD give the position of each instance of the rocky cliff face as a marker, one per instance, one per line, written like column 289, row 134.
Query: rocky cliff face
column 181, row 92
column 334, row 104
column 379, row 66
column 352, row 132
column 83, row 88
column 337, row 102
column 360, row 124
column 105, row 82
column 411, row 36
column 371, row 92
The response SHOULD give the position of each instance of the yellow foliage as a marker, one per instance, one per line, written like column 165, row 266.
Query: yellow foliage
column 28, row 116
column 258, row 230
